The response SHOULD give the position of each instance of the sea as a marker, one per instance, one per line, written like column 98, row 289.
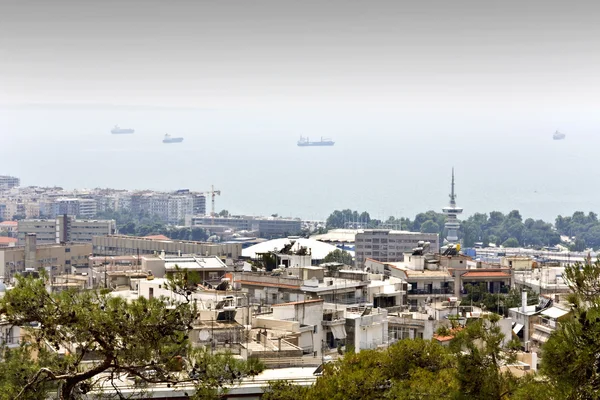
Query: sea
column 390, row 163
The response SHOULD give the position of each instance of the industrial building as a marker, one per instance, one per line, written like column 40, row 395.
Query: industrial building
column 118, row 245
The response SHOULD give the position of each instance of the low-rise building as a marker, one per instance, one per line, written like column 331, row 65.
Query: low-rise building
column 120, row 245
column 55, row 258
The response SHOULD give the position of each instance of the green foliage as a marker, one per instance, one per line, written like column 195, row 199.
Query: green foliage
column 511, row 242
column 348, row 219
column 338, row 256
column 570, row 356
column 499, row 303
column 407, row 368
column 144, row 224
column 283, row 390
column 119, row 337
column 223, row 213
column 509, row 230
column 417, row 369
column 479, row 353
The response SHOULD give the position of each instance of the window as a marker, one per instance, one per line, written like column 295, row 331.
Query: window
column 67, row 250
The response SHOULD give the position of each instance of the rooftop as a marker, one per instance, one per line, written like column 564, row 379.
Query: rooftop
column 9, row 223
column 7, row 241
column 337, row 235
column 298, row 303
column 157, row 237
column 194, row 263
column 318, row 250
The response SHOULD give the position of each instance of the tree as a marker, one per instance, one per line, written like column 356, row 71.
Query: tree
column 480, row 354
column 511, row 242
column 284, row 390
column 570, row 357
column 144, row 338
column 430, row 227
column 406, row 370
column 338, row 256
column 224, row 213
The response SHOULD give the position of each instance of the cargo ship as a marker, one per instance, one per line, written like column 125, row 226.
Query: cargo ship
column 305, row 142
column 558, row 136
column 169, row 139
column 120, row 131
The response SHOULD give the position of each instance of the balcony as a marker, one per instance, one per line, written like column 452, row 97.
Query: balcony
column 334, row 322
column 430, row 291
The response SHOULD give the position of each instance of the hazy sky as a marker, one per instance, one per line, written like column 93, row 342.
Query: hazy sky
column 469, row 55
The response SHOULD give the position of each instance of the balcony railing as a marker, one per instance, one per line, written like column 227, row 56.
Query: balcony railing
column 430, row 291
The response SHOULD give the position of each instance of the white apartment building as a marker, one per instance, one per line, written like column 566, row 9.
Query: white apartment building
column 84, row 208
column 389, row 245
column 179, row 207
column 9, row 182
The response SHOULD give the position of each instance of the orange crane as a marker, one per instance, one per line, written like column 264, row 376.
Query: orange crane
column 212, row 193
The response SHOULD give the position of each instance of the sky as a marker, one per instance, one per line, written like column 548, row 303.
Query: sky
column 339, row 55
column 406, row 89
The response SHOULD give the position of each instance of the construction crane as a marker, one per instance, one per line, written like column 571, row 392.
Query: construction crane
column 212, row 193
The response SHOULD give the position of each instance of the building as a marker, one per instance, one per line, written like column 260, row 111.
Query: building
column 55, row 258
column 209, row 269
column 7, row 241
column 389, row 245
column 9, row 182
column 313, row 251
column 80, row 207
column 178, row 208
column 118, row 245
column 426, row 280
column 9, row 227
column 65, row 229
column 452, row 211
column 272, row 227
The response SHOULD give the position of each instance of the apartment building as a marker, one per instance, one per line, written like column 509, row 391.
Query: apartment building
column 64, row 229
column 388, row 245
column 9, row 182
column 55, row 258
column 178, row 208
column 81, row 207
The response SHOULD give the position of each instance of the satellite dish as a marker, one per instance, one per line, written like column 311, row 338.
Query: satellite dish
column 204, row 335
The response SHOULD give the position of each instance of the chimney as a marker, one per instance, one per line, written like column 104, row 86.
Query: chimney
column 30, row 250
column 523, row 301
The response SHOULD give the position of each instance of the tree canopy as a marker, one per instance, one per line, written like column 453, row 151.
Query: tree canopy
column 144, row 224
column 497, row 228
column 104, row 337
column 471, row 368
column 338, row 256
column 570, row 357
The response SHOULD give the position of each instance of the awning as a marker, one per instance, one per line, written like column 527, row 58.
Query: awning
column 338, row 331
column 541, row 337
column 554, row 312
column 517, row 328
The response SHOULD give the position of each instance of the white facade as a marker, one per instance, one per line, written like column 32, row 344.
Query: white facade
column 389, row 245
